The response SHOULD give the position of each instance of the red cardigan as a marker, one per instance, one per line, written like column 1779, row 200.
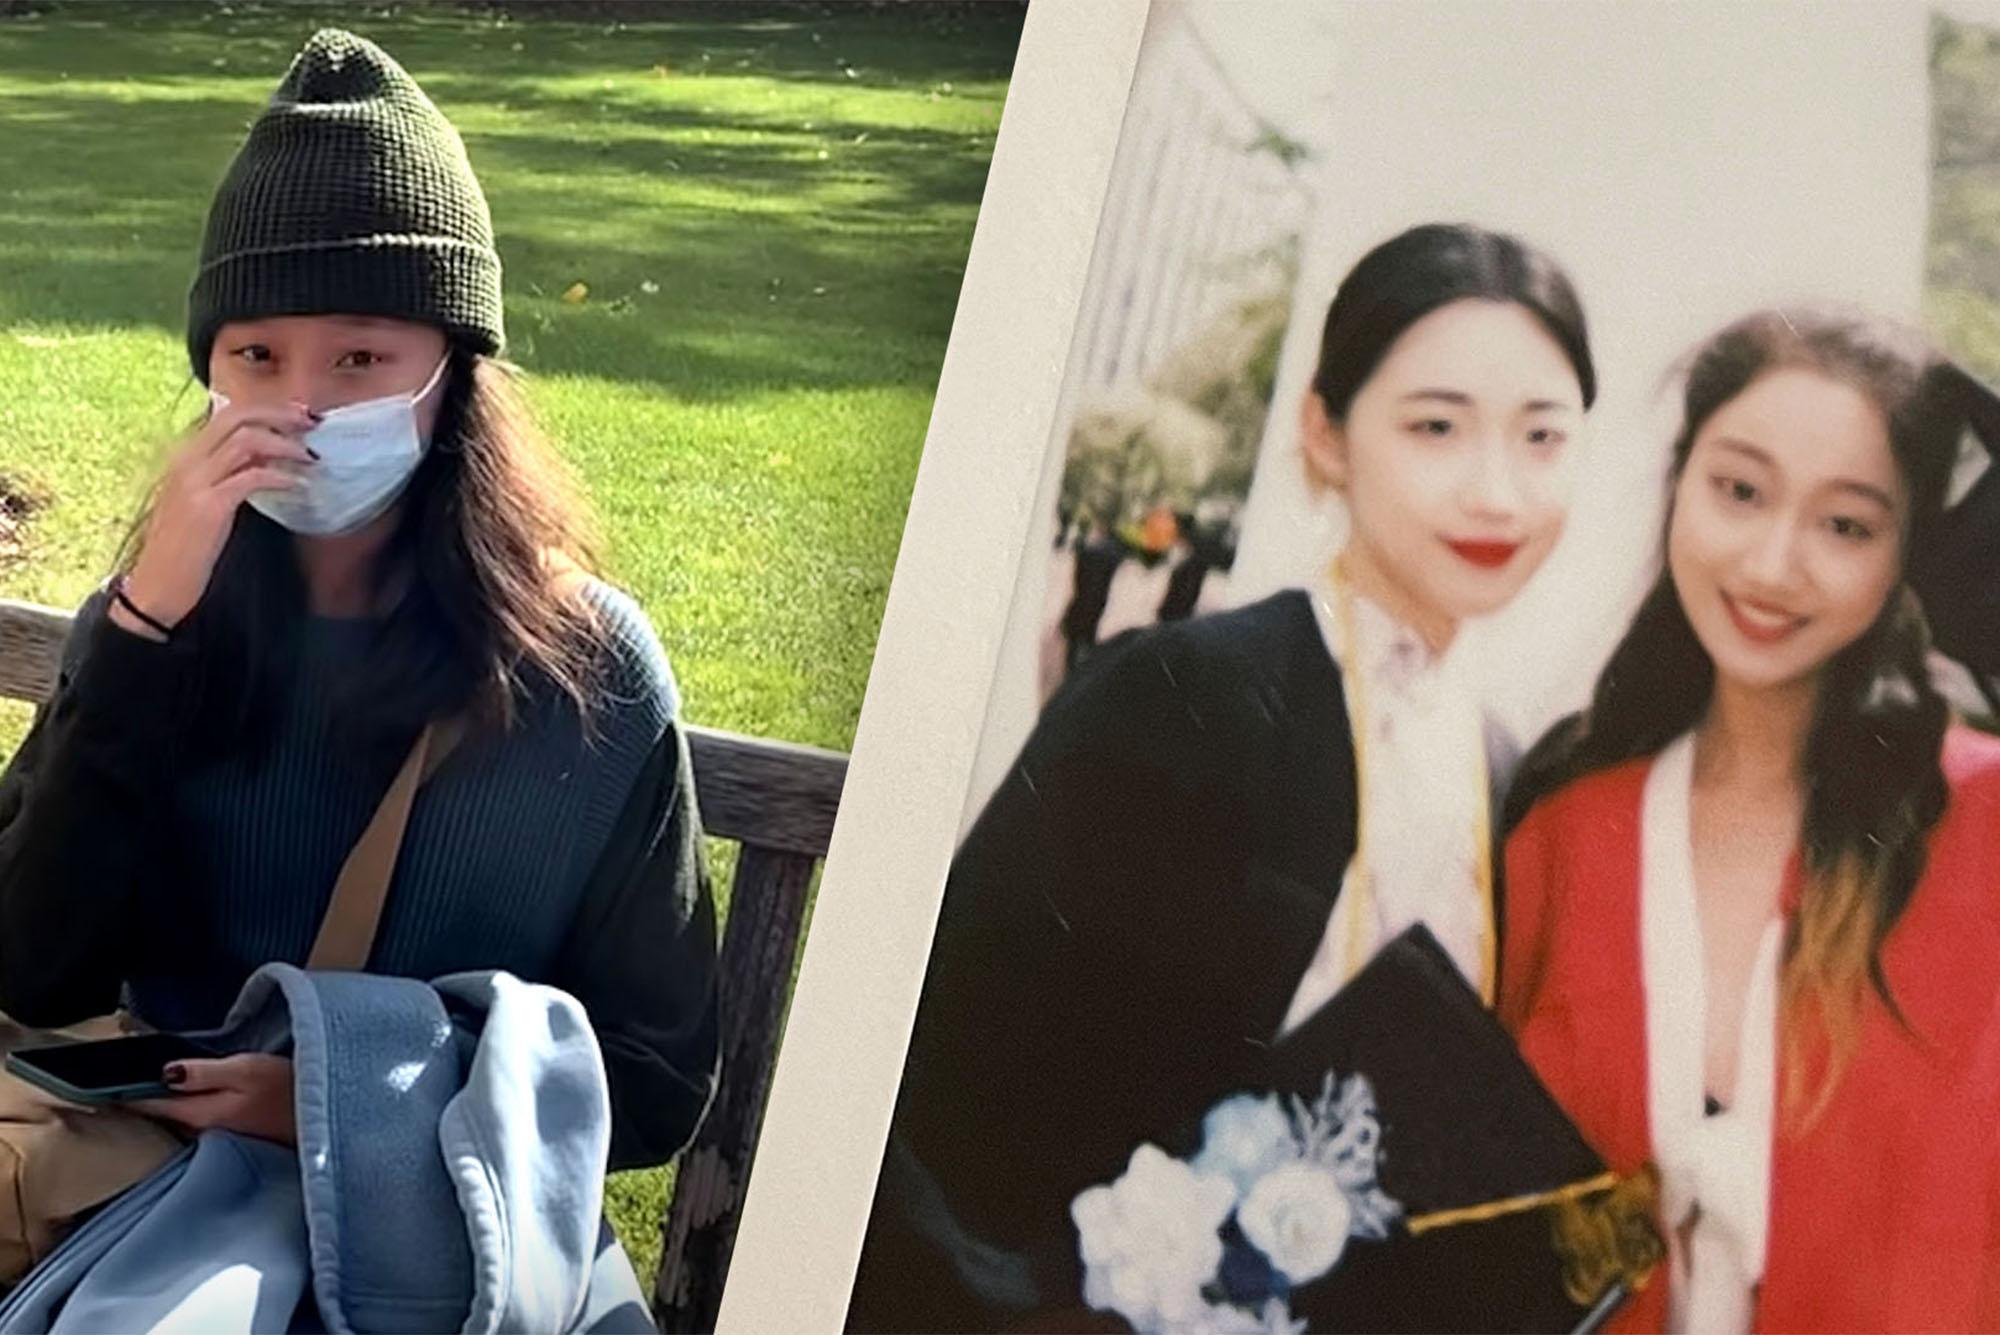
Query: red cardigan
column 1885, row 1214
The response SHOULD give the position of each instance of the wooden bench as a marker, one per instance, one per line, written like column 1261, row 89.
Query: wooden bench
column 776, row 801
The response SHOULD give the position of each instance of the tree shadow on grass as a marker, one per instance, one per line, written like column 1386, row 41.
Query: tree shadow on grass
column 918, row 45
column 775, row 256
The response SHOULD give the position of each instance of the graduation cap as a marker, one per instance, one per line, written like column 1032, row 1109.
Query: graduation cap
column 1500, row 1215
column 1955, row 568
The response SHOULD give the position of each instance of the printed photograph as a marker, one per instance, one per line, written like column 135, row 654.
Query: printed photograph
column 1485, row 814
column 452, row 462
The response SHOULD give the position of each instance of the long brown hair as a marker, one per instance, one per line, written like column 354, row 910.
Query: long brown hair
column 487, row 558
column 1874, row 782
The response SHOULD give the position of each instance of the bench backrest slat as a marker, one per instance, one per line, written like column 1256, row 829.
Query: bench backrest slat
column 31, row 641
column 752, row 790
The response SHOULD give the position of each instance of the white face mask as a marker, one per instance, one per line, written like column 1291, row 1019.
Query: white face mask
column 367, row 453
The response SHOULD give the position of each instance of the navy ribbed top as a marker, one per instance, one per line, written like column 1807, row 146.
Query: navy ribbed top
column 499, row 846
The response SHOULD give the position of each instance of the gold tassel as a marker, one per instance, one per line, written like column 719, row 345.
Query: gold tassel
column 1485, row 1210
column 1603, row 1229
column 1609, row 1236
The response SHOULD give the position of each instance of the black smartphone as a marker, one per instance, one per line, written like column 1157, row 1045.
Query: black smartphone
column 110, row 1070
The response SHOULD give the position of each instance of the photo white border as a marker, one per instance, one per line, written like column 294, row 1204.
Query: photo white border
column 970, row 516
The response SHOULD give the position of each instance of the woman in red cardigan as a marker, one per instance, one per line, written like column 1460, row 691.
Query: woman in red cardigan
column 1752, row 916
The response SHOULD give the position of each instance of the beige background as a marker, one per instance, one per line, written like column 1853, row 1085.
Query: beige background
column 1685, row 162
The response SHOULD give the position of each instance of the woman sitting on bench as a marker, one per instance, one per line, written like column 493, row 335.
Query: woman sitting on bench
column 363, row 537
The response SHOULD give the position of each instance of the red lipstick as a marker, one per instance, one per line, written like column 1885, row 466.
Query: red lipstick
column 1486, row 555
column 1760, row 632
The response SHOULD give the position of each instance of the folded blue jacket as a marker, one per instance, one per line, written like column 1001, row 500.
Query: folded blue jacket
column 449, row 1176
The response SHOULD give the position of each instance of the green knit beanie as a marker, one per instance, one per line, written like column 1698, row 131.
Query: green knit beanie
column 351, row 196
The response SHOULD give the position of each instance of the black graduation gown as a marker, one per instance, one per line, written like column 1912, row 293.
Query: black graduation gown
column 1122, row 932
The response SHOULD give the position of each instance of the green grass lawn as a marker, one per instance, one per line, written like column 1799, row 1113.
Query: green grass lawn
column 769, row 208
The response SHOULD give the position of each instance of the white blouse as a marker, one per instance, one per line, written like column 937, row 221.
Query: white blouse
column 1716, row 1168
column 1420, row 749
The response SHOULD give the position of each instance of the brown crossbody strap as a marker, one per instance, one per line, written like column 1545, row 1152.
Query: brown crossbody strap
column 347, row 933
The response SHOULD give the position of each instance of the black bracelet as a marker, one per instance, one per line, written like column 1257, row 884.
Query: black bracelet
column 118, row 596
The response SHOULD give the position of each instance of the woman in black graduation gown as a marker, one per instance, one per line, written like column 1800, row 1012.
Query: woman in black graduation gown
column 1217, row 821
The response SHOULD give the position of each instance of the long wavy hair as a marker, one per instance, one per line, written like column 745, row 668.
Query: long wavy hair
column 485, row 565
column 1871, row 767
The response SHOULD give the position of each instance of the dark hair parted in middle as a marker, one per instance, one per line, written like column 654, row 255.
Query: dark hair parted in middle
column 1428, row 267
column 1873, row 782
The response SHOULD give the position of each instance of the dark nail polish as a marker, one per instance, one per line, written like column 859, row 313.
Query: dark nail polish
column 175, row 1075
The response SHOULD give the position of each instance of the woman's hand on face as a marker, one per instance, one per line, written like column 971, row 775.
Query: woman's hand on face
column 249, row 1093
column 240, row 449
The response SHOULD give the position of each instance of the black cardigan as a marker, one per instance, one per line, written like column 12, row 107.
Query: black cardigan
column 1122, row 932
